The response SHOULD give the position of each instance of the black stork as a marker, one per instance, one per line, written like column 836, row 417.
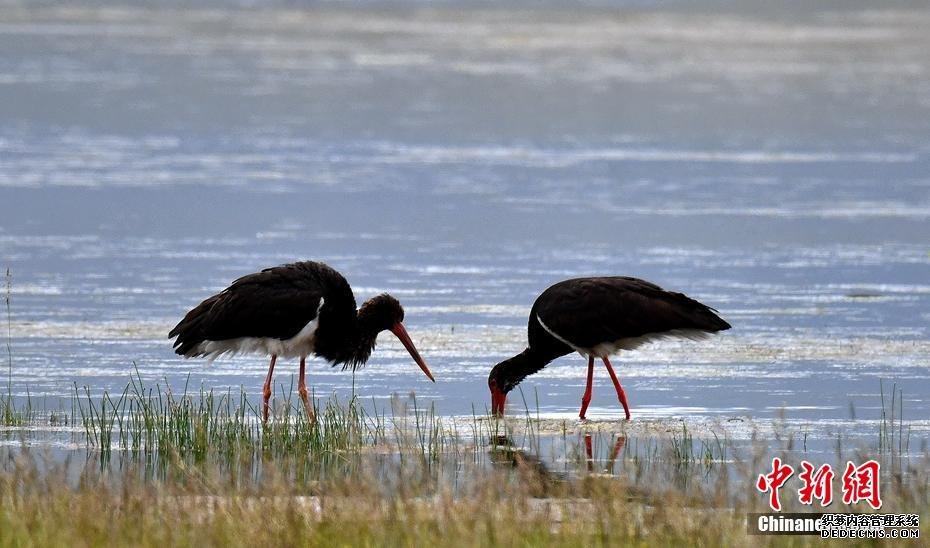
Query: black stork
column 598, row 317
column 292, row 310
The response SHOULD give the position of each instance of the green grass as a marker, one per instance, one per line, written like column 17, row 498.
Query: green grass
column 893, row 439
column 156, row 420
column 16, row 416
column 8, row 413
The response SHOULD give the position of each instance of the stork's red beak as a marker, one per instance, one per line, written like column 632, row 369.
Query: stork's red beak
column 401, row 334
column 498, row 401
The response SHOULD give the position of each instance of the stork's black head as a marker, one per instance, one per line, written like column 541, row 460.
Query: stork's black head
column 502, row 376
column 496, row 382
column 506, row 375
column 381, row 313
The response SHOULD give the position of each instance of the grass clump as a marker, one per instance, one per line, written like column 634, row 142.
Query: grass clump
column 13, row 415
column 170, row 430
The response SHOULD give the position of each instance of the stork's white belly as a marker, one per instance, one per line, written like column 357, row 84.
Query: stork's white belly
column 607, row 349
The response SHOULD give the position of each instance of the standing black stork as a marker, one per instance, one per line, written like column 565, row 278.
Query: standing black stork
column 292, row 310
column 598, row 317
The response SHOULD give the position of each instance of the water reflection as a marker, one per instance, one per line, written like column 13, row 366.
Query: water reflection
column 615, row 452
column 533, row 470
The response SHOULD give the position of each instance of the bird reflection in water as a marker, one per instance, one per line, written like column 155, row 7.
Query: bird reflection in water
column 534, row 473
column 615, row 451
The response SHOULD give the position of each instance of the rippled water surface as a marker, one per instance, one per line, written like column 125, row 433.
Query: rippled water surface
column 773, row 164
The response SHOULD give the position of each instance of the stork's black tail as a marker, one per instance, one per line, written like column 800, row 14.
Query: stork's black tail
column 191, row 331
column 701, row 316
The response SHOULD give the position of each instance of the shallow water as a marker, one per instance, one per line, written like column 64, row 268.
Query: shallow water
column 773, row 165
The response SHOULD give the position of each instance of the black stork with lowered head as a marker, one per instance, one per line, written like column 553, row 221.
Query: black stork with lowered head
column 598, row 317
column 293, row 310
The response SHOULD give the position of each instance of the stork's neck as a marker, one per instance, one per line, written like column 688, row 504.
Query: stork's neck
column 347, row 341
column 366, row 333
column 509, row 373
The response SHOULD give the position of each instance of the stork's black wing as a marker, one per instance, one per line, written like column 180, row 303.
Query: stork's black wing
column 276, row 302
column 587, row 312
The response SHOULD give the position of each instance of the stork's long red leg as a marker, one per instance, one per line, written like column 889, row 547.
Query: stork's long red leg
column 302, row 390
column 266, row 391
column 620, row 393
column 586, row 399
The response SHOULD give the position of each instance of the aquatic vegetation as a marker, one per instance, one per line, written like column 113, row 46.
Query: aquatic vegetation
column 156, row 424
column 15, row 415
column 893, row 439
column 8, row 413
